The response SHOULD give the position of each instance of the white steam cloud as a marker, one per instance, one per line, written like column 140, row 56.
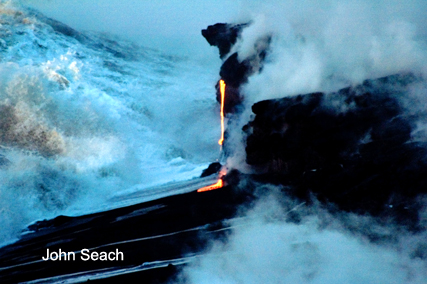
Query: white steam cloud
column 263, row 248
column 321, row 46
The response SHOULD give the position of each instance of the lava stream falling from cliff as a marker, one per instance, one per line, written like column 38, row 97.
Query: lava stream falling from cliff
column 222, row 91
column 219, row 183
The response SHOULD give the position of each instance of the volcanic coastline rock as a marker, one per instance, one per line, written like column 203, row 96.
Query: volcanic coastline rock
column 213, row 168
column 359, row 156
column 223, row 36
column 352, row 148
column 234, row 70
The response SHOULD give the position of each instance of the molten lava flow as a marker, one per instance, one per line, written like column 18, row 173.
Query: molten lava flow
column 211, row 187
column 219, row 184
column 222, row 91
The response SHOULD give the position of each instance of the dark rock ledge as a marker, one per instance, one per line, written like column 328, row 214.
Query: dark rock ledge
column 351, row 149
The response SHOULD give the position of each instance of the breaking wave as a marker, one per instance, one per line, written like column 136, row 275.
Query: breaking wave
column 85, row 116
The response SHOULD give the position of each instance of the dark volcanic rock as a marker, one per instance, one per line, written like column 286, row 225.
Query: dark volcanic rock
column 212, row 169
column 223, row 36
column 235, row 71
column 358, row 155
column 352, row 147
column 148, row 234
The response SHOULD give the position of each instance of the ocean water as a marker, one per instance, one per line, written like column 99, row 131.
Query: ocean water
column 86, row 116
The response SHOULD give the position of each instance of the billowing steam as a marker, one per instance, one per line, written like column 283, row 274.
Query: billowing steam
column 321, row 46
column 278, row 241
column 328, row 45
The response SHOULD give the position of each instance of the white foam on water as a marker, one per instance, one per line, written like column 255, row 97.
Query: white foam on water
column 89, row 116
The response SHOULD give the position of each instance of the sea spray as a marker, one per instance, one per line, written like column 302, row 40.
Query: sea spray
column 86, row 116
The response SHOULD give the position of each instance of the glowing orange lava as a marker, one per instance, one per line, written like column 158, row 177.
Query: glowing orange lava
column 222, row 91
column 211, row 187
column 219, row 184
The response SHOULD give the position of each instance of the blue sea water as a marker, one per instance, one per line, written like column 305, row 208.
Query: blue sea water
column 86, row 116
